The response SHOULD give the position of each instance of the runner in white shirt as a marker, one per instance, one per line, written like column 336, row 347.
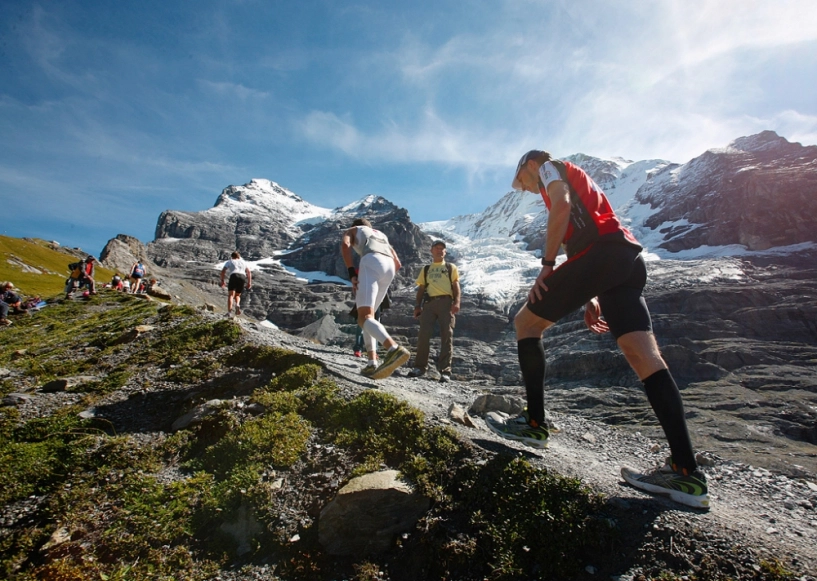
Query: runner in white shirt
column 238, row 274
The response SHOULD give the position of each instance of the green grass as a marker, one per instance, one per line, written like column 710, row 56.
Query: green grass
column 52, row 265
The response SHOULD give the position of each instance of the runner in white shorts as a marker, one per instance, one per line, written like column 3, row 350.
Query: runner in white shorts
column 378, row 265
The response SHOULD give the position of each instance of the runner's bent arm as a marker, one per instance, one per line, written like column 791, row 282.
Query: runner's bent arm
column 558, row 220
column 346, row 246
column 346, row 252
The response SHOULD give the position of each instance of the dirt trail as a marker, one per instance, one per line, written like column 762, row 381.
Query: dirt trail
column 754, row 510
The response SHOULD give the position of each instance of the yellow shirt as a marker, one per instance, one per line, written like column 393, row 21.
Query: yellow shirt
column 438, row 283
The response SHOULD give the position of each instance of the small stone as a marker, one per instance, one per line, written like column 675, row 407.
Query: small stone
column 458, row 414
column 587, row 436
column 15, row 399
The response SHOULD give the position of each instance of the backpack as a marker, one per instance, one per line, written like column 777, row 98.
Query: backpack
column 448, row 267
column 76, row 269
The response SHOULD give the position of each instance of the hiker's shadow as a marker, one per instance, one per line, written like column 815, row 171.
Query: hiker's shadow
column 503, row 448
column 156, row 410
column 633, row 518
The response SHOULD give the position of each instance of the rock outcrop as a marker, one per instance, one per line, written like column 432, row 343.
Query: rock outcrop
column 121, row 252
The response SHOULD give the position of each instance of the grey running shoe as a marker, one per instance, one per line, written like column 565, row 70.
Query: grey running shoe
column 237, row 311
column 445, row 378
column 416, row 372
column 520, row 430
column 688, row 489
column 392, row 361
column 369, row 370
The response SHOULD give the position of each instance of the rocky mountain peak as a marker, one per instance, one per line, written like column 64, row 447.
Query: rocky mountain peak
column 763, row 141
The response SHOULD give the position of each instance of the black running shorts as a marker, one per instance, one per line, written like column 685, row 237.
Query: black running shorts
column 613, row 272
column 236, row 283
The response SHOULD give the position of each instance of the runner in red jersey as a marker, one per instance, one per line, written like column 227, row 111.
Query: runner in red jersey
column 605, row 272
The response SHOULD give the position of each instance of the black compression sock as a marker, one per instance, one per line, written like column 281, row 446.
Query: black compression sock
column 665, row 399
column 532, row 363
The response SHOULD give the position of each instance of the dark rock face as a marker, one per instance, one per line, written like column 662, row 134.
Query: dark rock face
column 760, row 192
column 319, row 248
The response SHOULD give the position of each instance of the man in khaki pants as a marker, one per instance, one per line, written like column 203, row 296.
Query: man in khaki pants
column 438, row 299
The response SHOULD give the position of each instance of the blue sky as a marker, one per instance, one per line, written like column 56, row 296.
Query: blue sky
column 112, row 112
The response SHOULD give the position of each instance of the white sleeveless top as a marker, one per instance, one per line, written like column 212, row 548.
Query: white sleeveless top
column 368, row 240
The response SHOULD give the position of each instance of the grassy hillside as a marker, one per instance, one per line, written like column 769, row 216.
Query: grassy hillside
column 36, row 268
column 118, row 495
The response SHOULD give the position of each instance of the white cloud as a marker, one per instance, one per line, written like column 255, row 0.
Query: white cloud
column 227, row 89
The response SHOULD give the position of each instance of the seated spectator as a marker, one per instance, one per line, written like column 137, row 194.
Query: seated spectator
column 117, row 283
column 10, row 298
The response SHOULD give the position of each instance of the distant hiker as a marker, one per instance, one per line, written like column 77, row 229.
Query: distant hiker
column 117, row 283
column 72, row 282
column 438, row 300
column 137, row 272
column 86, row 277
column 378, row 265
column 606, row 273
column 238, row 274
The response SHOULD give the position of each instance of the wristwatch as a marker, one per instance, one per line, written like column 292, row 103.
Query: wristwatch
column 550, row 263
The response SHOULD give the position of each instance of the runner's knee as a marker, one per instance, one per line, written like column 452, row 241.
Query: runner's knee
column 529, row 325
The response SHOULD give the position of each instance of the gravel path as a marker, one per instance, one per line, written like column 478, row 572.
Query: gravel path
column 755, row 512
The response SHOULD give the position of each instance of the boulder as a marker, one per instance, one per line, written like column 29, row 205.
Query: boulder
column 367, row 513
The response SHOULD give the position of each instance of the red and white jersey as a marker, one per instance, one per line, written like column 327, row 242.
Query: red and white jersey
column 591, row 216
